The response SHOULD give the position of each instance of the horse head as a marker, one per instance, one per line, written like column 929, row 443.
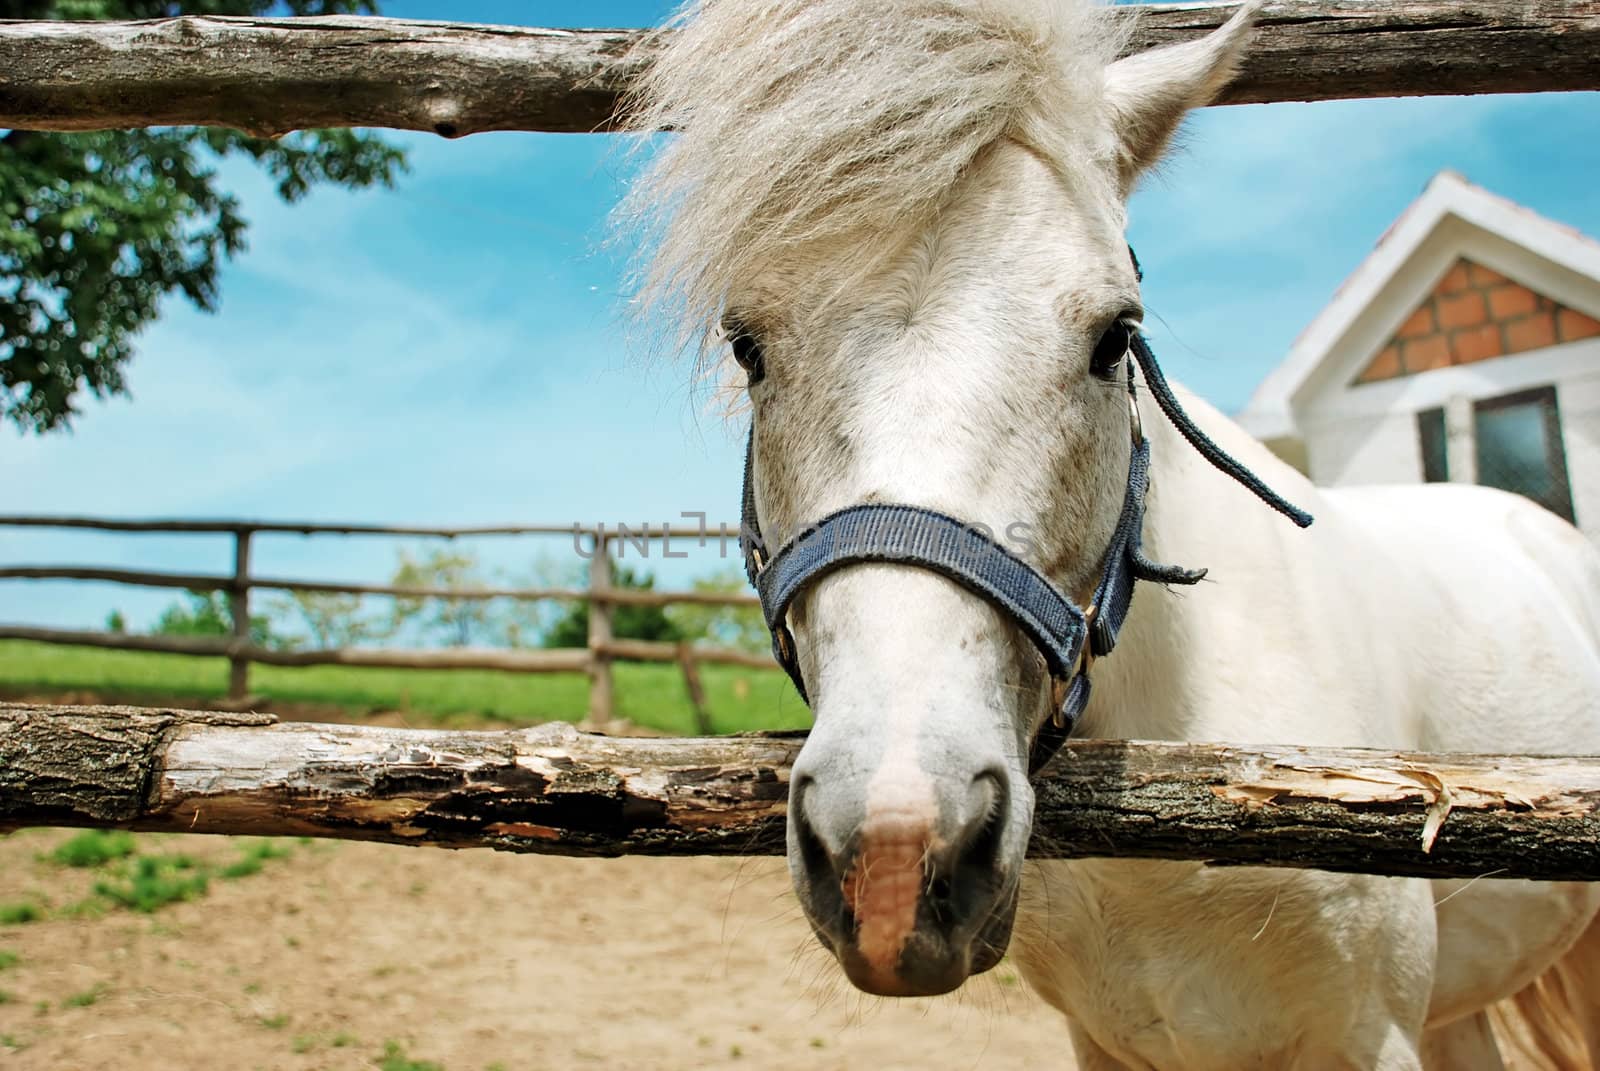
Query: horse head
column 906, row 221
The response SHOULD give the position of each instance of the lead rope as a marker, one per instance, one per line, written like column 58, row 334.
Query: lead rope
column 1219, row 458
column 1215, row 455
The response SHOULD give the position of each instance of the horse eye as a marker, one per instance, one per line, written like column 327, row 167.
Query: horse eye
column 1112, row 347
column 747, row 351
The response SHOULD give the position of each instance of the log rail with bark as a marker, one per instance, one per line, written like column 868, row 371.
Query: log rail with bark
column 554, row 790
column 270, row 76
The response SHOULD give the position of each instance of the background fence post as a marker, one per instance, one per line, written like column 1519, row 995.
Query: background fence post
column 239, row 604
column 695, row 689
column 602, row 705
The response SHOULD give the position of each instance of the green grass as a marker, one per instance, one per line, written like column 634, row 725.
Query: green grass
column 394, row 1058
column 153, row 881
column 94, row 847
column 252, row 854
column 649, row 695
column 139, row 882
column 304, row 1043
column 88, row 908
column 15, row 914
column 8, row 959
column 88, row 997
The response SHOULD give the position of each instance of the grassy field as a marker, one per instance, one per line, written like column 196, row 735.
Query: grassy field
column 648, row 695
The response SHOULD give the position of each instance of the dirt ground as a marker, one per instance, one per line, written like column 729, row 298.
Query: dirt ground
column 471, row 961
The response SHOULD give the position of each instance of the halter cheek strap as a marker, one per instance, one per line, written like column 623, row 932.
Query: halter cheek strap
column 1069, row 638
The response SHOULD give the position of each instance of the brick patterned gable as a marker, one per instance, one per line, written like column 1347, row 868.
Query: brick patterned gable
column 1475, row 314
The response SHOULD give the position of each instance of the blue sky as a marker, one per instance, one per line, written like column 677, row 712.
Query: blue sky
column 451, row 352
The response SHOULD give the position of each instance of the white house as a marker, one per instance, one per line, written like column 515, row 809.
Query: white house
column 1465, row 347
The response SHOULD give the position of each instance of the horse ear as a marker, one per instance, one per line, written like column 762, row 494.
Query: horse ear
column 1149, row 92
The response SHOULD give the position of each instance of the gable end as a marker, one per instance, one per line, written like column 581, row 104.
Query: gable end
column 1475, row 314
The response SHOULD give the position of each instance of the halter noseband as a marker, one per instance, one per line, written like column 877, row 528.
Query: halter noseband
column 1069, row 638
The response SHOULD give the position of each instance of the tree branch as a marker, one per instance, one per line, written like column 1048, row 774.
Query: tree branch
column 554, row 790
column 270, row 76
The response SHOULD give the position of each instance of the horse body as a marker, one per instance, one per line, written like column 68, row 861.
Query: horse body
column 911, row 215
column 1437, row 618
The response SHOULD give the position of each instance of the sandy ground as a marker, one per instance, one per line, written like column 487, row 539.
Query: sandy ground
column 475, row 961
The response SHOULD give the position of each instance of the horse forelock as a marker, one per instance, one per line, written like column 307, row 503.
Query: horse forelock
column 802, row 122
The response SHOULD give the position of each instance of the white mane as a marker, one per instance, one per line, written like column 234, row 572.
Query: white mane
column 801, row 121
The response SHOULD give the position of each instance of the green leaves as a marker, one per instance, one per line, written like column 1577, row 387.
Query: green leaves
column 627, row 622
column 96, row 229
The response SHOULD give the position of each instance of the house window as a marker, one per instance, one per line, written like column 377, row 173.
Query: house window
column 1431, row 433
column 1518, row 439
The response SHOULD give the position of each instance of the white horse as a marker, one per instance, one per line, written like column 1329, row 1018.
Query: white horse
column 909, row 214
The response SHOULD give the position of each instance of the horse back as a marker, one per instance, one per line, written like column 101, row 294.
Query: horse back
column 1499, row 601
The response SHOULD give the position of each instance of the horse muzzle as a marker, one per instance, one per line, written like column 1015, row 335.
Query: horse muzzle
column 918, row 898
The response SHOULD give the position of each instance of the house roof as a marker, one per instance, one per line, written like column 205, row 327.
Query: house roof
column 1269, row 412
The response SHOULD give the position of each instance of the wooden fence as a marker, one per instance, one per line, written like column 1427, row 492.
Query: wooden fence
column 272, row 75
column 601, row 594
column 556, row 791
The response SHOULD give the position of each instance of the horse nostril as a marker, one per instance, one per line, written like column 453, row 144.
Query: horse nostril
column 991, row 798
column 814, row 855
column 963, row 879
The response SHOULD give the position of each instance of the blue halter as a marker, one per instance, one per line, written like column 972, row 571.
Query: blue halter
column 1069, row 638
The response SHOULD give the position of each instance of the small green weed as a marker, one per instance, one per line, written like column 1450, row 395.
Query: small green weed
column 15, row 914
column 343, row 1040
column 394, row 1058
column 85, row 909
column 94, row 847
column 252, row 855
column 10, row 1042
column 274, row 1022
column 88, row 997
column 303, row 1043
column 6, row 996
column 8, row 959
column 155, row 881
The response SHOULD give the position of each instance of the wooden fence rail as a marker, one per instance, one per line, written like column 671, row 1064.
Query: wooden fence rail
column 273, row 75
column 601, row 594
column 218, row 582
column 554, row 790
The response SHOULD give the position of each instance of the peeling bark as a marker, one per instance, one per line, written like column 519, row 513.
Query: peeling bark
column 554, row 790
column 270, row 76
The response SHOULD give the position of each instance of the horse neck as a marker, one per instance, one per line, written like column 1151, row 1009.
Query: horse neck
column 1160, row 682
